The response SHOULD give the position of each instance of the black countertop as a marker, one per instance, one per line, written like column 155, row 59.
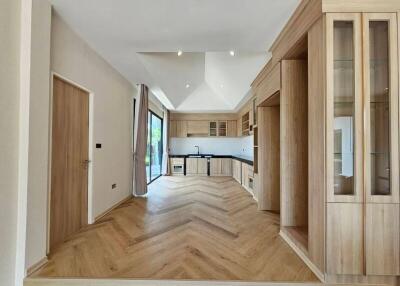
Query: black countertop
column 241, row 158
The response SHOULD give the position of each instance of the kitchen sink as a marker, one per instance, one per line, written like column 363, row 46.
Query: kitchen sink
column 199, row 155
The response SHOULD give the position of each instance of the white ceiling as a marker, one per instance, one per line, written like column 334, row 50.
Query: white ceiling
column 140, row 39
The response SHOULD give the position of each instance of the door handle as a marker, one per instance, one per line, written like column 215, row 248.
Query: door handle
column 85, row 163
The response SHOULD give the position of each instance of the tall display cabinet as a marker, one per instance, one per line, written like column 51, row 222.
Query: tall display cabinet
column 349, row 53
column 362, row 144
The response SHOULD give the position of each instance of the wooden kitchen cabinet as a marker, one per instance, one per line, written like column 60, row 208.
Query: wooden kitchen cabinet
column 196, row 166
column 197, row 128
column 237, row 170
column 215, row 166
column 191, row 166
column 226, row 167
column 181, row 129
column 202, row 166
column 221, row 167
column 172, row 129
column 232, row 128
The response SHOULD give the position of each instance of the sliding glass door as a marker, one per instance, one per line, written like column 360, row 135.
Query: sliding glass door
column 154, row 147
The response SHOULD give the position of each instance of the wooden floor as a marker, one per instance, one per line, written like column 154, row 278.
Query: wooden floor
column 187, row 228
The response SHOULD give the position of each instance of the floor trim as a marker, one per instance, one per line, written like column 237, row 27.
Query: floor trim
column 302, row 256
column 139, row 282
column 106, row 212
column 35, row 267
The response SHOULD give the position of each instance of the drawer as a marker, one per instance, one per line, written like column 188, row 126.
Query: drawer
column 177, row 161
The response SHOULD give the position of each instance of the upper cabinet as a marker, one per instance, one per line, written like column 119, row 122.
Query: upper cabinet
column 197, row 128
column 203, row 128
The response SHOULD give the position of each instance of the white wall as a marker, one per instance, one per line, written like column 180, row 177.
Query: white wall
column 72, row 58
column 9, row 123
column 217, row 146
column 38, row 133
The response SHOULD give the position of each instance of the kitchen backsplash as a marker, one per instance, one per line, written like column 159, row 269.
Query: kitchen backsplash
column 218, row 146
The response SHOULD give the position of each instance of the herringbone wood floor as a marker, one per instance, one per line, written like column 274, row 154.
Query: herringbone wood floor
column 187, row 228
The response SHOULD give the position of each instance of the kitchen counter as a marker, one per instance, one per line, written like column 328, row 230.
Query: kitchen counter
column 241, row 158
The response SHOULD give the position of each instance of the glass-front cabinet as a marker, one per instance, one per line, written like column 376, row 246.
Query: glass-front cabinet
column 381, row 107
column 362, row 108
column 344, row 108
column 362, row 144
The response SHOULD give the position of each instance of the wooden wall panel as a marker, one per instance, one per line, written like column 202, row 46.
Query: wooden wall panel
column 269, row 158
column 345, row 238
column 270, row 84
column 316, row 145
column 294, row 144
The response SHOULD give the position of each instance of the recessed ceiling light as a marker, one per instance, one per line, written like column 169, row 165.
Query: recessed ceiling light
column 180, row 53
column 232, row 53
column 187, row 85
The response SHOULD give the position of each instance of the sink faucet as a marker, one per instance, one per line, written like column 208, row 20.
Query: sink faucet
column 198, row 149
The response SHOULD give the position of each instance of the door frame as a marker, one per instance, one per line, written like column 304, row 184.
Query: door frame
column 149, row 111
column 90, row 152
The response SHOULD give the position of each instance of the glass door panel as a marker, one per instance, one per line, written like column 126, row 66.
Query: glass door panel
column 381, row 106
column 148, row 174
column 154, row 147
column 344, row 107
column 344, row 101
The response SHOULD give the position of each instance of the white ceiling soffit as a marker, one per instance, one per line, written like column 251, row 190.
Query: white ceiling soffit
column 121, row 29
column 172, row 74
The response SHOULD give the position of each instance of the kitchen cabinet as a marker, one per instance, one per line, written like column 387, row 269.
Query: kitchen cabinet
column 226, row 167
column 172, row 129
column 237, row 170
column 221, row 167
column 232, row 128
column 191, row 166
column 197, row 128
column 203, row 128
column 202, row 166
column 247, row 177
column 196, row 166
column 181, row 129
column 222, row 128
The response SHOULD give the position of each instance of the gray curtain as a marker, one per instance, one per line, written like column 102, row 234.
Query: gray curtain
column 141, row 143
column 166, row 168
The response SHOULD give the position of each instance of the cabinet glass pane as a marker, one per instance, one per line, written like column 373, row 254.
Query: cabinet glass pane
column 379, row 107
column 344, row 98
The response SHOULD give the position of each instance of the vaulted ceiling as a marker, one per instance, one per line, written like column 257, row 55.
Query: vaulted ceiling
column 140, row 38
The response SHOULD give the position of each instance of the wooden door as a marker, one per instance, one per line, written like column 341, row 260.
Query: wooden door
column 69, row 164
